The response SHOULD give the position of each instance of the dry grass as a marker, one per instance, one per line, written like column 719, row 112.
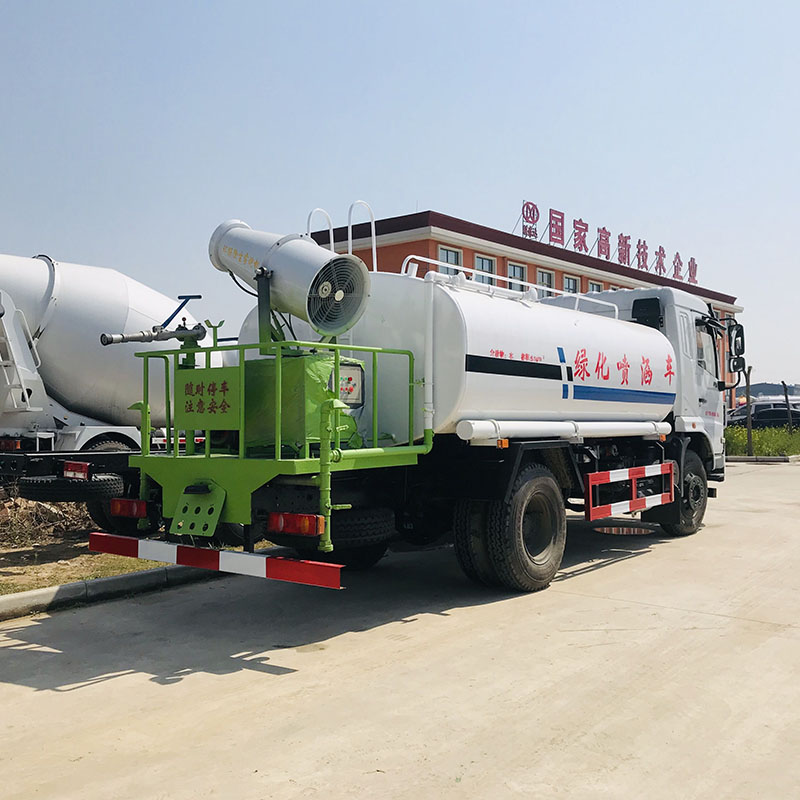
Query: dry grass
column 46, row 544
column 23, row 522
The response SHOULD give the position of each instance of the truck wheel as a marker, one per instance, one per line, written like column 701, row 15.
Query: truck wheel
column 359, row 527
column 469, row 540
column 100, row 510
column 526, row 536
column 694, row 497
column 360, row 538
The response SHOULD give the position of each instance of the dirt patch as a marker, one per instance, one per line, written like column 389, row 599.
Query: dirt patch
column 60, row 558
column 44, row 544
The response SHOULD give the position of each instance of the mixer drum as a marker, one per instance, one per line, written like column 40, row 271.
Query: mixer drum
column 67, row 307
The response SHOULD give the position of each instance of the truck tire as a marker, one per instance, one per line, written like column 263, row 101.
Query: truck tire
column 694, row 497
column 470, row 519
column 360, row 538
column 358, row 527
column 526, row 536
column 50, row 488
column 100, row 510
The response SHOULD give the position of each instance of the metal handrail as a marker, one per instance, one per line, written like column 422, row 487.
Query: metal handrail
column 277, row 350
column 37, row 360
column 372, row 228
column 490, row 289
column 330, row 225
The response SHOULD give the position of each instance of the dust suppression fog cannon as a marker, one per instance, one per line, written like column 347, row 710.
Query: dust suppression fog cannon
column 326, row 289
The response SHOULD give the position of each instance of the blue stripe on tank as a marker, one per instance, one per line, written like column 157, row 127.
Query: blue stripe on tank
column 621, row 395
column 561, row 356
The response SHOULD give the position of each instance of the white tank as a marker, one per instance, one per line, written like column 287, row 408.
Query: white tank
column 502, row 358
column 67, row 307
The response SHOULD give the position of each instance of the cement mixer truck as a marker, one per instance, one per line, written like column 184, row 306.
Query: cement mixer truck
column 66, row 428
column 358, row 407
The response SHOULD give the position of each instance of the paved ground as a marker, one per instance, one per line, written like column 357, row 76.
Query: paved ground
column 651, row 668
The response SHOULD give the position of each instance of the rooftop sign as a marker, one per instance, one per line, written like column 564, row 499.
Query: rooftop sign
column 555, row 231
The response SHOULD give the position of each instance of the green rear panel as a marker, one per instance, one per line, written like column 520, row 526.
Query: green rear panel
column 317, row 434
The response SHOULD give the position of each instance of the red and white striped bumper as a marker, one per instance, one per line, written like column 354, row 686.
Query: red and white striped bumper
column 633, row 474
column 311, row 573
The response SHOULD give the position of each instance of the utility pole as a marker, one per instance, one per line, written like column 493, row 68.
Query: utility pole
column 749, row 413
column 788, row 407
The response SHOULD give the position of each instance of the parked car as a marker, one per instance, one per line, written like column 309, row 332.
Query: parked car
column 766, row 414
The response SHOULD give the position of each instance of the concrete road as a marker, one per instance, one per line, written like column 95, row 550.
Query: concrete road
column 650, row 668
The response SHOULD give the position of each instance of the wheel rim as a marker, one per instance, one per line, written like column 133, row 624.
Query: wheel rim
column 538, row 529
column 695, row 494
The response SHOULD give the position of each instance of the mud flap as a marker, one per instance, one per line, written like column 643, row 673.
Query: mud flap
column 670, row 513
column 198, row 510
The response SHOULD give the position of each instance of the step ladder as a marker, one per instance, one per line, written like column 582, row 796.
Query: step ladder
column 18, row 359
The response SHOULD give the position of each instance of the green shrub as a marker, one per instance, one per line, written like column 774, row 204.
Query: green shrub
column 766, row 441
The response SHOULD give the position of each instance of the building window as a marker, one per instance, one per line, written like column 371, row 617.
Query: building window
column 519, row 272
column 571, row 284
column 545, row 278
column 485, row 265
column 594, row 286
column 449, row 256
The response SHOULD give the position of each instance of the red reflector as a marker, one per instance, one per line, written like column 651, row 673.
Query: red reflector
column 123, row 507
column 116, row 545
column 76, row 469
column 301, row 524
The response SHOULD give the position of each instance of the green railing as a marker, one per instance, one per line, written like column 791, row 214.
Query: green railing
column 178, row 362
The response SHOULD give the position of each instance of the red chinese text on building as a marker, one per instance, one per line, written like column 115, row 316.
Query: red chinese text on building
column 579, row 231
column 647, row 372
column 641, row 254
column 556, row 227
column 581, row 364
column 692, row 267
column 601, row 368
column 603, row 243
column 624, row 250
column 659, row 267
column 670, row 373
column 677, row 267
column 623, row 366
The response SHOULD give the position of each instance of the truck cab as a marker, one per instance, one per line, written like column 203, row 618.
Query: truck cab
column 693, row 330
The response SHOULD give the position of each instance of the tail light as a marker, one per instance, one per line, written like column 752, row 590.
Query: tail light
column 124, row 507
column 301, row 524
column 10, row 444
column 76, row 469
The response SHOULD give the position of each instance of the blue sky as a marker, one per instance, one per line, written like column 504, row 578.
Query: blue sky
column 131, row 129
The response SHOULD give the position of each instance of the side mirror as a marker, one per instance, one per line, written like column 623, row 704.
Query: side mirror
column 736, row 363
column 736, row 341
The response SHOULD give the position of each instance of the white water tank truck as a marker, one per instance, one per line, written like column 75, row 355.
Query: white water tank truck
column 364, row 406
